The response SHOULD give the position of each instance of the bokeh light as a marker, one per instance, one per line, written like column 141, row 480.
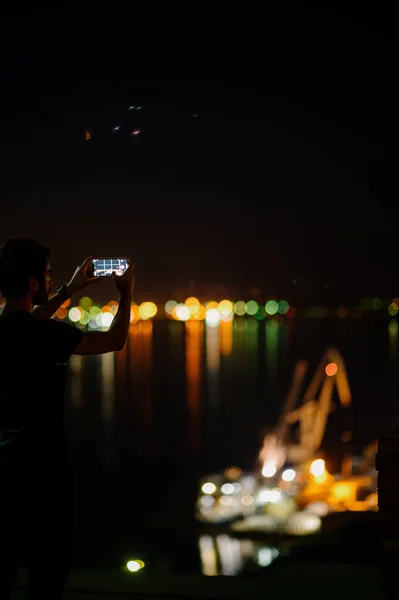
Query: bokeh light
column 134, row 313
column 169, row 306
column 61, row 313
column 271, row 307
column 147, row 310
column 251, row 308
column 85, row 302
column 74, row 314
column 85, row 318
column 212, row 317
column 269, row 470
column 209, row 488
column 194, row 307
column 288, row 475
column 113, row 304
column 393, row 309
column 135, row 565
column 331, row 369
column 239, row 308
column 225, row 308
column 261, row 314
column 106, row 319
column 283, row 307
column 181, row 312
column 317, row 468
column 211, row 304
column 94, row 311
column 376, row 304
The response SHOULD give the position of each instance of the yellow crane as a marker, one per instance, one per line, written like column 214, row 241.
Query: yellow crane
column 312, row 415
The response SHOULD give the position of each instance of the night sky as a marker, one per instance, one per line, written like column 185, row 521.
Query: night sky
column 281, row 181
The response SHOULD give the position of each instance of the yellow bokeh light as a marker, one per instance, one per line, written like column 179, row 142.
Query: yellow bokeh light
column 209, row 488
column 239, row 308
column 169, row 306
column 210, row 305
column 147, row 310
column 225, row 308
column 134, row 566
column 200, row 315
column 192, row 301
column 194, row 306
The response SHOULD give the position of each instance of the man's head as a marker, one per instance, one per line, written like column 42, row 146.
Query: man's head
column 25, row 271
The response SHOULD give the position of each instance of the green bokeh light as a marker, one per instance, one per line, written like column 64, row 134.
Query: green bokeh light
column 85, row 302
column 271, row 307
column 239, row 308
column 283, row 307
column 251, row 307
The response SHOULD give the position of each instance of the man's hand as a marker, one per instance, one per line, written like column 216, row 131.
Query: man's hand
column 82, row 277
column 125, row 282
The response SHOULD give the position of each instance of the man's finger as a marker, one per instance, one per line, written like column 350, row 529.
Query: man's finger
column 88, row 260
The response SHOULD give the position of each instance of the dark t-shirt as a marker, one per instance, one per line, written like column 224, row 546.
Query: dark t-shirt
column 33, row 353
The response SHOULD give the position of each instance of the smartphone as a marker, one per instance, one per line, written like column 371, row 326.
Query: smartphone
column 104, row 267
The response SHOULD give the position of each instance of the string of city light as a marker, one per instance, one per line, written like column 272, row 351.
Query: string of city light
column 94, row 316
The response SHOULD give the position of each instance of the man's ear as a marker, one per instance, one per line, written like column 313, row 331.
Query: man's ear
column 33, row 285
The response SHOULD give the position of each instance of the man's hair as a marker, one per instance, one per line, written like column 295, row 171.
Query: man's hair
column 20, row 260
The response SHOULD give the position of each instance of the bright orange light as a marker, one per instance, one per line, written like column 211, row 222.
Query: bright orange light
column 331, row 369
column 61, row 313
column 112, row 303
column 134, row 313
column 200, row 316
column 66, row 303
column 194, row 306
column 106, row 309
column 192, row 301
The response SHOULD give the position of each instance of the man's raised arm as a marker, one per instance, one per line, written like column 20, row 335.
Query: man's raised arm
column 115, row 338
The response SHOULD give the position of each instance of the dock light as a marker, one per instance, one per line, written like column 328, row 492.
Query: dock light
column 288, row 475
column 209, row 488
column 135, row 565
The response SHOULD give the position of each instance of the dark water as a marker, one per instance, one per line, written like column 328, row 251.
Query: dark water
column 182, row 400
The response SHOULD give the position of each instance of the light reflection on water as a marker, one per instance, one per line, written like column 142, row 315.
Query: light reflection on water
column 192, row 399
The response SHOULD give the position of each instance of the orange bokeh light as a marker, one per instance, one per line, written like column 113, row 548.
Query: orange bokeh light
column 134, row 313
column 192, row 301
column 66, row 303
column 331, row 369
column 61, row 312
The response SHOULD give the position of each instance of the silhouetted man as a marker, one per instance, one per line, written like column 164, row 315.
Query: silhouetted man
column 36, row 498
